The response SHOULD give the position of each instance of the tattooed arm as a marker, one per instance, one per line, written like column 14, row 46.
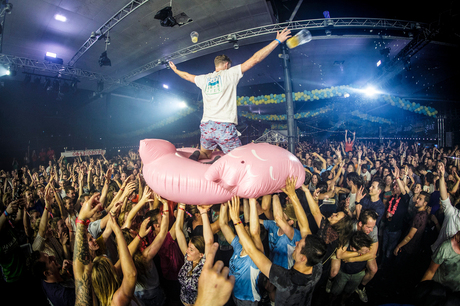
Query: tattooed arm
column 82, row 268
column 81, row 259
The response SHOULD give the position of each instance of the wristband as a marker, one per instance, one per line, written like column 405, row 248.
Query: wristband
column 49, row 212
column 239, row 222
column 6, row 214
column 182, row 208
column 279, row 42
column 166, row 211
column 205, row 213
column 85, row 223
column 139, row 236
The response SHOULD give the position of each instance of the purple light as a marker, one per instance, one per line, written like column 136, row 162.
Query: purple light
column 51, row 54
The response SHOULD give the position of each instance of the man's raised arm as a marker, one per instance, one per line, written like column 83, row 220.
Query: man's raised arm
column 265, row 51
column 185, row 75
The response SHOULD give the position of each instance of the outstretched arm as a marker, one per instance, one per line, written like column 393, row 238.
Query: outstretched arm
column 207, row 231
column 223, row 221
column 155, row 246
column 179, row 225
column 185, row 75
column 125, row 293
column 254, row 226
column 81, row 257
column 314, row 208
column 299, row 212
column 261, row 261
column 264, row 52
column 279, row 218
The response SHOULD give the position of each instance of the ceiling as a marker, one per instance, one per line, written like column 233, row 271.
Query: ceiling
column 31, row 30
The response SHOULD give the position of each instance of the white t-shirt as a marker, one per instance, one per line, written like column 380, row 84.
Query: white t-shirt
column 366, row 176
column 219, row 94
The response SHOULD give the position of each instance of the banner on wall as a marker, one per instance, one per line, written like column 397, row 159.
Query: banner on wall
column 76, row 153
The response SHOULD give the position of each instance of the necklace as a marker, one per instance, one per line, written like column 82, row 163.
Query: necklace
column 391, row 211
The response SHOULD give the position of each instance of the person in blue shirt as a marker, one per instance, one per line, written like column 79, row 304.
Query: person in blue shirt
column 282, row 236
column 241, row 265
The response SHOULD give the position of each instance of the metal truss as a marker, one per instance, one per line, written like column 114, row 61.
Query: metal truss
column 312, row 24
column 271, row 137
column 61, row 70
column 102, row 31
column 4, row 10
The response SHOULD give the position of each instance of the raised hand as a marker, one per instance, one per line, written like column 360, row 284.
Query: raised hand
column 289, row 189
column 441, row 169
column 235, row 209
column 203, row 208
column 283, row 35
column 172, row 66
column 144, row 230
column 89, row 208
column 214, row 284
column 360, row 195
column 395, row 172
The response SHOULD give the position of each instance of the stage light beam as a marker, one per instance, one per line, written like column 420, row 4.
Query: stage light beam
column 370, row 91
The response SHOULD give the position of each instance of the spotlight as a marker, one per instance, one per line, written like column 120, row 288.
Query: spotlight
column 165, row 86
column 60, row 17
column 379, row 63
column 104, row 60
column 232, row 39
column 12, row 71
column 370, row 91
column 166, row 18
column 52, row 58
column 182, row 104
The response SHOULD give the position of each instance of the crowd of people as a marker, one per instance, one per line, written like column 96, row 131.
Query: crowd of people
column 372, row 222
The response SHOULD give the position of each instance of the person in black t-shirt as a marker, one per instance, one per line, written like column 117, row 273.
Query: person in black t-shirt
column 294, row 286
column 351, row 273
column 394, row 217
column 410, row 245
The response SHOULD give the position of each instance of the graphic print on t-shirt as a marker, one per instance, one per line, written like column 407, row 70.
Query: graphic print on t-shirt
column 213, row 85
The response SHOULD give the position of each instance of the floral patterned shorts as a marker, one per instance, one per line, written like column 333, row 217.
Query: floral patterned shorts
column 223, row 134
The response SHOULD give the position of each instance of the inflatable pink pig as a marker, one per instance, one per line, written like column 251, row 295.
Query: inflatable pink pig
column 249, row 171
column 254, row 170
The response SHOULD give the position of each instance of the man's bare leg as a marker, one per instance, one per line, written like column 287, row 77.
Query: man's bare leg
column 204, row 153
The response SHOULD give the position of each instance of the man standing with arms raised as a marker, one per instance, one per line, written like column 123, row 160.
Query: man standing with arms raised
column 219, row 99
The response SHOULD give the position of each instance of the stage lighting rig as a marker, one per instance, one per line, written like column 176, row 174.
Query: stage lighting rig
column 52, row 58
column 232, row 39
column 167, row 19
column 104, row 59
